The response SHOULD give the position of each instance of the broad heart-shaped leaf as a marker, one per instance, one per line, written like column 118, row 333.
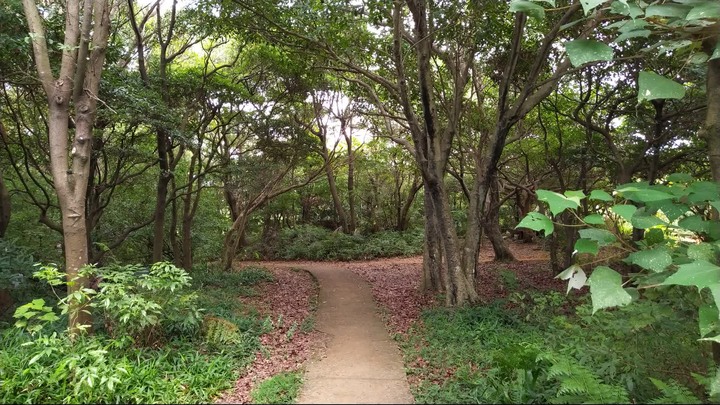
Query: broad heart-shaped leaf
column 671, row 210
column 694, row 223
column 667, row 10
column 533, row 10
column 537, row 222
column 708, row 9
column 701, row 251
column 699, row 273
column 623, row 7
column 594, row 219
column 626, row 211
column 708, row 319
column 642, row 220
column 701, row 191
column 600, row 195
column 715, row 291
column 557, row 202
column 632, row 34
column 644, row 193
column 582, row 51
column 680, row 178
column 606, row 289
column 575, row 195
column 601, row 236
column 653, row 86
column 575, row 276
column 586, row 246
column 590, row 5
column 655, row 260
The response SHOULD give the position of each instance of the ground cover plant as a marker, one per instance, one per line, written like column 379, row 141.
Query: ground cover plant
column 163, row 337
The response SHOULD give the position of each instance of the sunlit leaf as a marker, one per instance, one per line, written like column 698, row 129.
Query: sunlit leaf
column 655, row 260
column 557, row 202
column 653, row 86
column 694, row 223
column 708, row 319
column 531, row 9
column 601, row 236
column 704, row 10
column 626, row 211
column 600, row 195
column 582, row 51
column 590, row 5
column 699, row 273
column 537, row 222
column 701, row 251
column 606, row 289
column 667, row 10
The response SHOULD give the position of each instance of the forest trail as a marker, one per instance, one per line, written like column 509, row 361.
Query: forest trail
column 361, row 364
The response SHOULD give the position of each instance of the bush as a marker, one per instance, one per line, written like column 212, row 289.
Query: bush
column 315, row 243
column 282, row 388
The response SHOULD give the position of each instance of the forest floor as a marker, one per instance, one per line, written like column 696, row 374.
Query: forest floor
column 292, row 299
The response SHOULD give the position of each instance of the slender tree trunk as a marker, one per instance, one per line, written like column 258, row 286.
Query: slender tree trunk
column 403, row 219
column 351, row 179
column 161, row 196
column 492, row 225
column 337, row 203
column 4, row 207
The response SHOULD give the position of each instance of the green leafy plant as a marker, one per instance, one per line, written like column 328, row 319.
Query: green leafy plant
column 282, row 388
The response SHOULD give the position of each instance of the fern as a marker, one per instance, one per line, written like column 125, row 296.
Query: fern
column 219, row 331
column 579, row 385
column 673, row 393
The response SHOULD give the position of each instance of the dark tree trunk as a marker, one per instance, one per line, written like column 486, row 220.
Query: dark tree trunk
column 433, row 279
column 492, row 225
column 161, row 195
column 4, row 207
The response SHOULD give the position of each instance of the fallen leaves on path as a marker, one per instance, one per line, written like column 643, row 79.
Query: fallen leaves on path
column 289, row 302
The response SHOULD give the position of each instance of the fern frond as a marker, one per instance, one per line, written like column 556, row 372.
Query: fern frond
column 673, row 393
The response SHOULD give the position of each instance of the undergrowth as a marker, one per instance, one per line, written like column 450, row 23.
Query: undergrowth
column 133, row 360
column 531, row 349
column 307, row 242
column 281, row 388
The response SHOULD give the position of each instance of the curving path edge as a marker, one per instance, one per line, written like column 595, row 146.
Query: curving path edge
column 361, row 365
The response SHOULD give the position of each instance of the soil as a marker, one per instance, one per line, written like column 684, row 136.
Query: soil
column 349, row 348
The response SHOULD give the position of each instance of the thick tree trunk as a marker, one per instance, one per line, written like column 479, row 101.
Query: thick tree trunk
column 232, row 241
column 337, row 203
column 4, row 207
column 433, row 279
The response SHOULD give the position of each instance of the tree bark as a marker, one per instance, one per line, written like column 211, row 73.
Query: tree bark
column 433, row 279
column 492, row 225
column 4, row 207
column 70, row 164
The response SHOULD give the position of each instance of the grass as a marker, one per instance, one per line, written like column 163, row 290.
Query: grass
column 512, row 351
column 281, row 388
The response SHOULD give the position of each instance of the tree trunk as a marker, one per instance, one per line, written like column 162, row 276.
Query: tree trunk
column 232, row 241
column 351, row 179
column 433, row 280
column 403, row 219
column 492, row 225
column 4, row 207
column 161, row 196
column 339, row 210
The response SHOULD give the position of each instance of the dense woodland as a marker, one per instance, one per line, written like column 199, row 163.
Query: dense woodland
column 146, row 146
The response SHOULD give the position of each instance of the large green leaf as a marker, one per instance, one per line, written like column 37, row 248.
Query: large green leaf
column 575, row 195
column 601, row 236
column 600, row 195
column 708, row 319
column 644, row 193
column 642, row 220
column 575, row 275
column 557, row 202
column 653, row 86
column 531, row 9
column 624, row 8
column 626, row 211
column 594, row 219
column 680, row 178
column 632, row 34
column 606, row 289
column 586, row 246
column 590, row 5
column 708, row 9
column 701, row 191
column 582, row 51
column 715, row 291
column 671, row 210
column 694, row 223
column 701, row 251
column 667, row 10
column 537, row 222
column 655, row 260
column 699, row 273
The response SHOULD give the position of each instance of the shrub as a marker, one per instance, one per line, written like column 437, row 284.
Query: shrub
column 282, row 388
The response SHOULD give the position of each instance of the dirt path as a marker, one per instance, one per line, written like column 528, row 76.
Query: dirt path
column 361, row 364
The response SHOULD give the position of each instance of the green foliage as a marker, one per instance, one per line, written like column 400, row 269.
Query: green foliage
column 189, row 364
column 281, row 388
column 315, row 243
column 532, row 349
